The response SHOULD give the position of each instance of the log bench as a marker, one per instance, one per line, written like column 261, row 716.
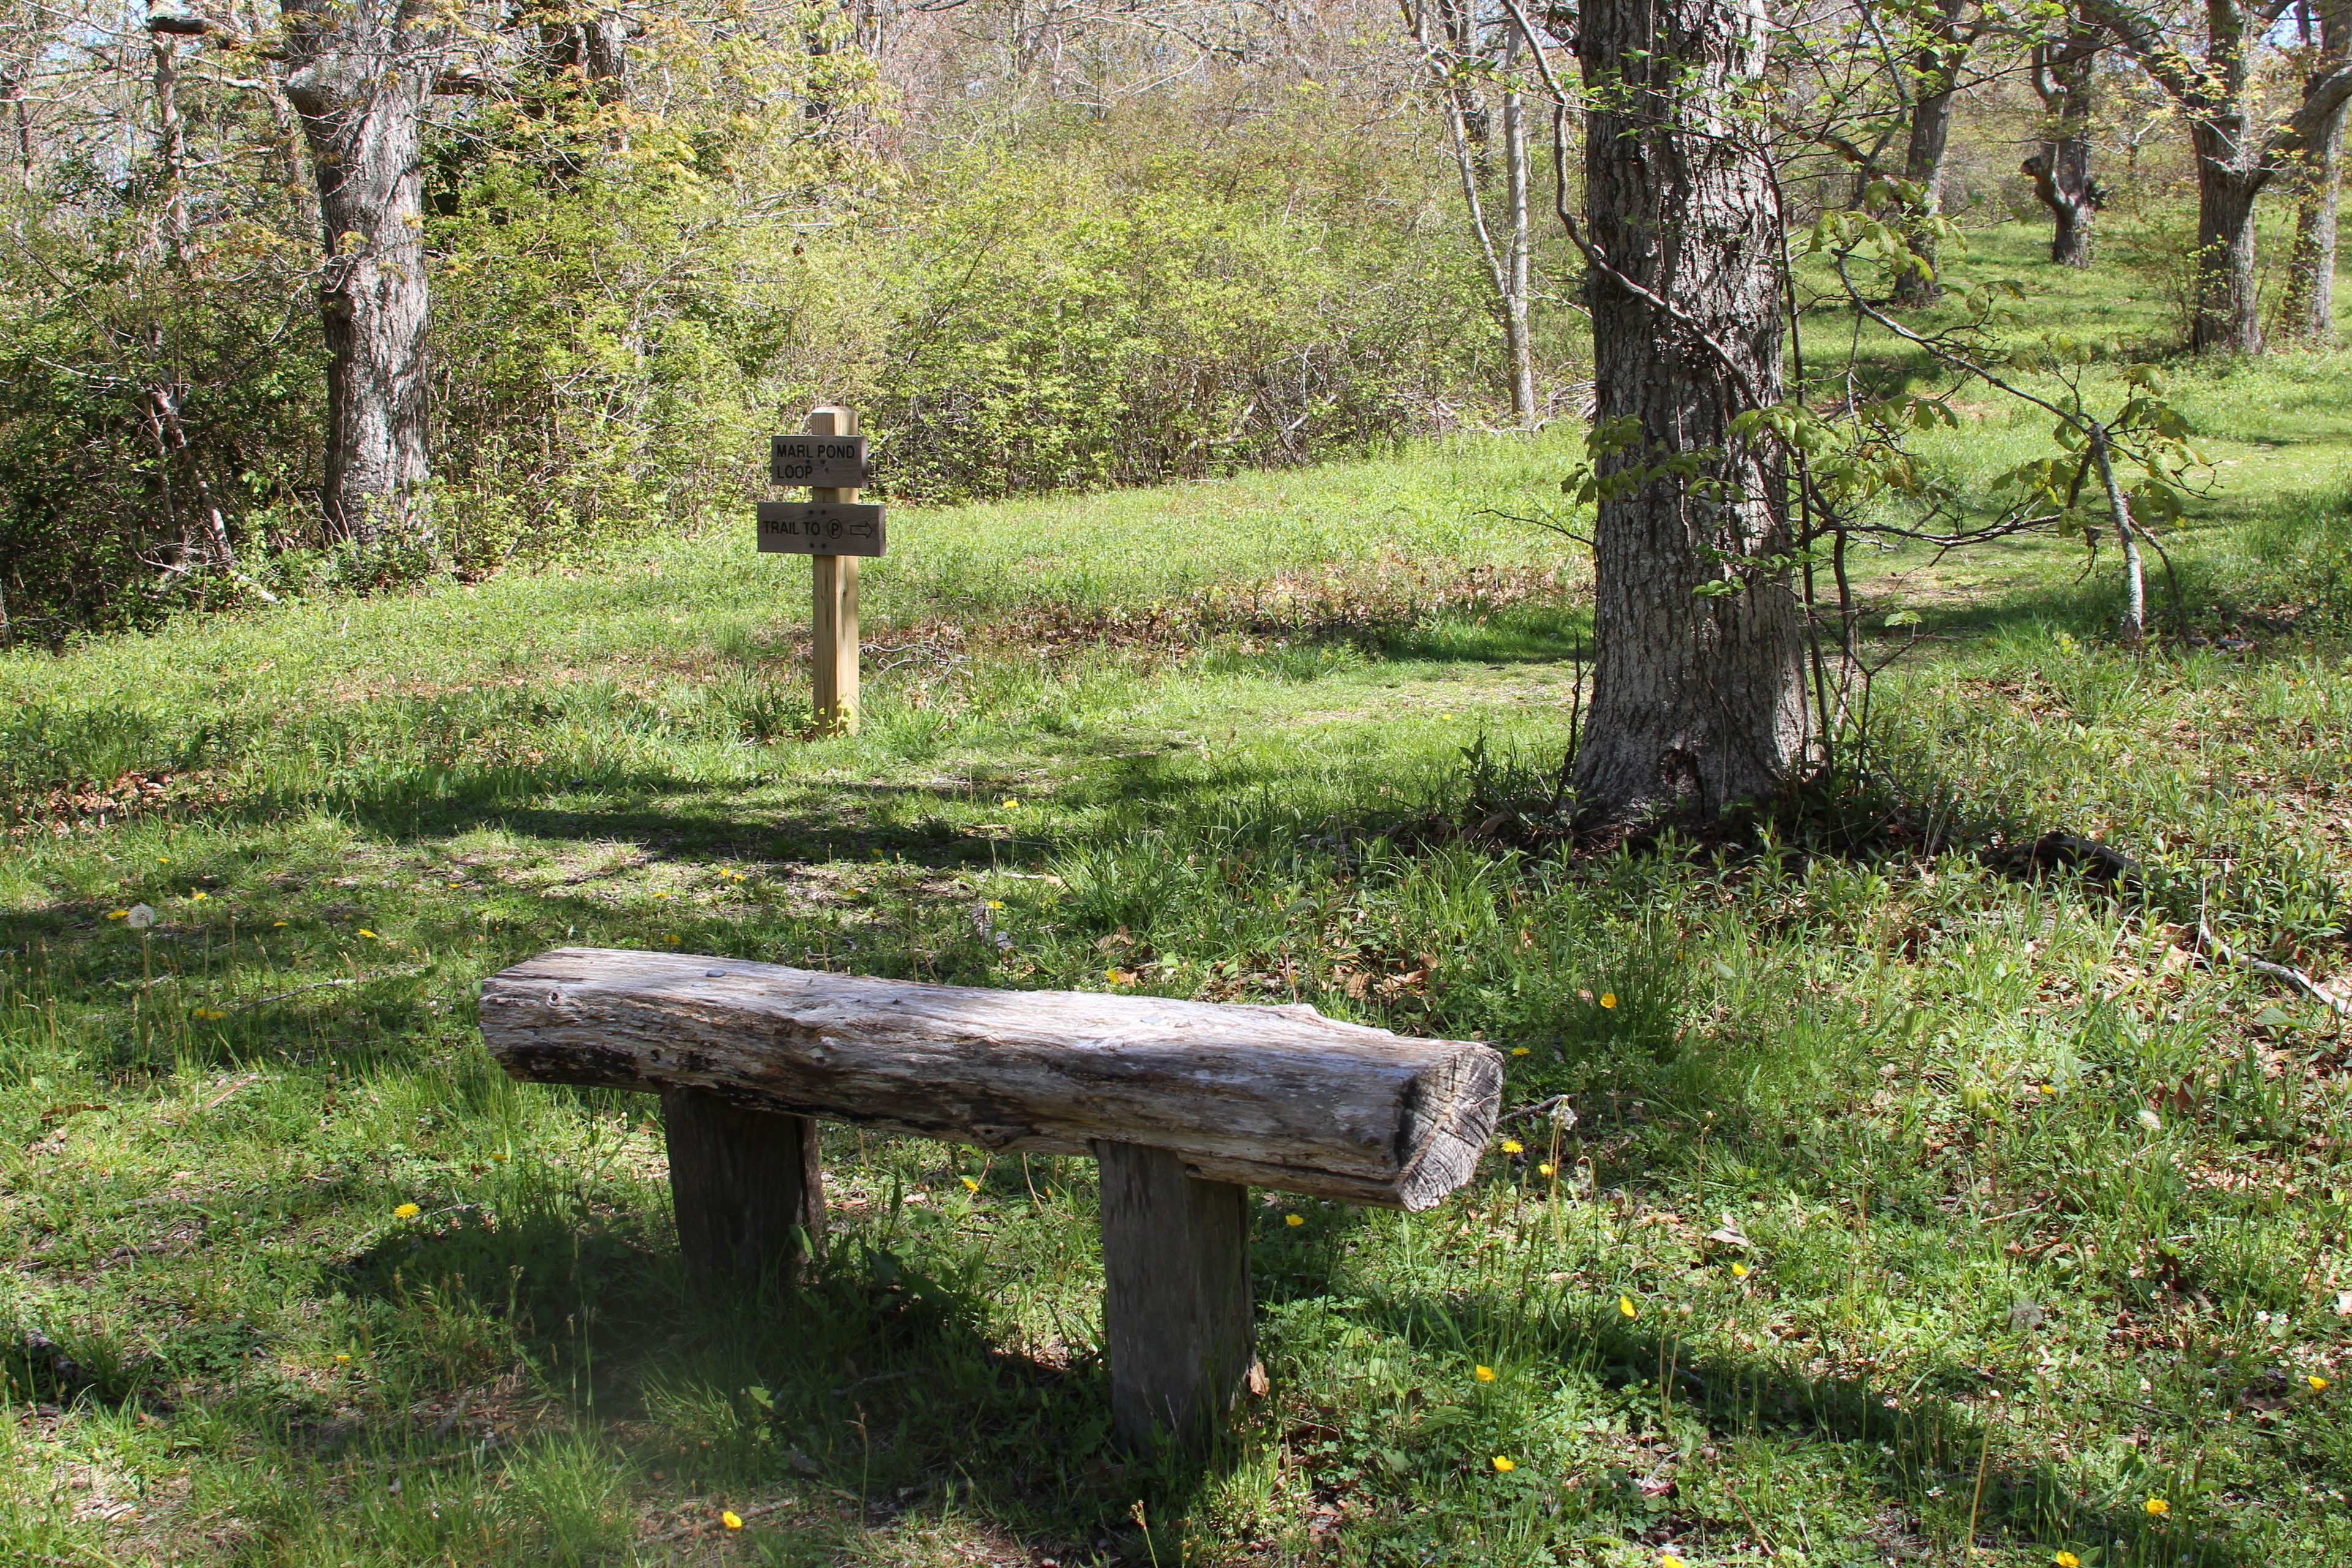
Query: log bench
column 1184, row 1105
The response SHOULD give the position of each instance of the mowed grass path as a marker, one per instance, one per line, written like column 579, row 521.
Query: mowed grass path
column 1914, row 1211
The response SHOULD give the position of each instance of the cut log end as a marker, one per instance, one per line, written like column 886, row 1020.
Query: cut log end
column 1449, row 1119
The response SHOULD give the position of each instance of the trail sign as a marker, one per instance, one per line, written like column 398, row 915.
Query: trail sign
column 820, row 528
column 833, row 530
column 828, row 462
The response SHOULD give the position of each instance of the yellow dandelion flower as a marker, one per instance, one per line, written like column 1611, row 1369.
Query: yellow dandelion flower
column 1625, row 1306
column 2156, row 1507
column 1518, row 1050
column 1483, row 1373
column 731, row 1519
column 2067, row 1560
column 343, row 1356
column 1668, row 1560
column 197, row 897
column 1739, row 1271
column 1609, row 998
column 1504, row 1466
column 367, row 934
column 970, row 1185
column 1294, row 1221
column 275, row 924
column 116, row 914
column 1009, row 803
column 1513, row 1146
column 405, row 1211
column 2316, row 1382
column 163, row 859
column 996, row 904
column 1546, row 1169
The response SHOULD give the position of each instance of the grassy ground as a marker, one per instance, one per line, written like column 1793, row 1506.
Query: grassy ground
column 1914, row 1212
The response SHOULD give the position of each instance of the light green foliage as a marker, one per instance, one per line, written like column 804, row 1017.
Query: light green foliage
column 616, row 309
column 1149, row 302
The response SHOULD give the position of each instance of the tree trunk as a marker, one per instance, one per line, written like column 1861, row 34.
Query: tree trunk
column 2060, row 166
column 358, row 73
column 1936, row 69
column 20, row 121
column 1923, row 165
column 171, row 142
column 1516, row 334
column 1697, row 698
column 596, row 46
column 2308, row 310
column 1507, row 264
column 2227, row 300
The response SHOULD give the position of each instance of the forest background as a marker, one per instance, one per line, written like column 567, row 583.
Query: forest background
column 1043, row 249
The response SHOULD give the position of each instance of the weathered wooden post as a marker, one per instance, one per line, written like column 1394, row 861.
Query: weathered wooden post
column 832, row 614
column 1176, row 1296
column 1184, row 1105
column 748, row 1187
column 835, row 530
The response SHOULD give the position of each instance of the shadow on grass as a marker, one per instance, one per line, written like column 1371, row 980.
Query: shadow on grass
column 872, row 1383
column 1912, row 1448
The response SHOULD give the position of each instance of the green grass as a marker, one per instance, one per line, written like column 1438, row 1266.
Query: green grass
column 1939, row 1199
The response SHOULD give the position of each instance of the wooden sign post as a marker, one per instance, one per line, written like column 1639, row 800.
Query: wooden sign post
column 832, row 616
column 833, row 530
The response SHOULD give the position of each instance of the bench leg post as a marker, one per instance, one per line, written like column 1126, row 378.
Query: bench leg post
column 1176, row 1298
column 747, row 1185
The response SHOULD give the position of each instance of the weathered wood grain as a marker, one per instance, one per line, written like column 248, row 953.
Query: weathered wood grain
column 747, row 1186
column 1268, row 1097
column 1176, row 1298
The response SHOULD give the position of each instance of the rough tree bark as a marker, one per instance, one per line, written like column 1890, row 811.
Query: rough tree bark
column 1935, row 75
column 2228, row 296
column 2061, row 165
column 2308, row 311
column 2235, row 158
column 1697, row 698
column 359, row 73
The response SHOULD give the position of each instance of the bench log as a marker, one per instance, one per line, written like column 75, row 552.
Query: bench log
column 1183, row 1104
column 1268, row 1097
